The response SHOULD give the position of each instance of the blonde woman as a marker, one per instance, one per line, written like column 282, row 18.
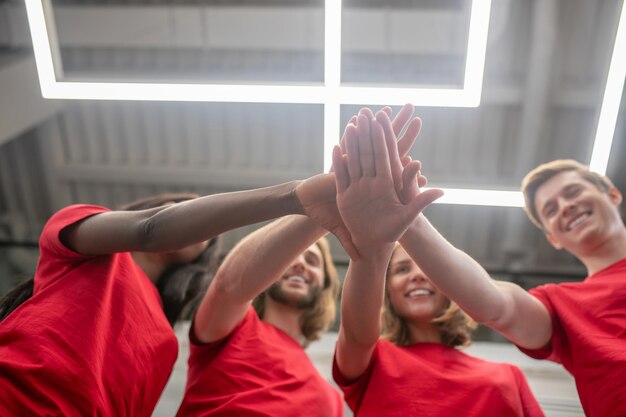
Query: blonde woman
column 416, row 368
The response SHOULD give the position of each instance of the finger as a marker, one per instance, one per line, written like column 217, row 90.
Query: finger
column 392, row 150
column 406, row 141
column 424, row 199
column 381, row 155
column 341, row 142
column 342, row 177
column 402, row 117
column 352, row 152
column 405, row 160
column 409, row 183
column 422, row 180
column 387, row 111
column 366, row 151
column 367, row 112
column 345, row 238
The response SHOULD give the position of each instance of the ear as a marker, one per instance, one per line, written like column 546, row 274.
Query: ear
column 554, row 242
column 615, row 196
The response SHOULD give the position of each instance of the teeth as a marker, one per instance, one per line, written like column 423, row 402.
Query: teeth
column 577, row 221
column 296, row 279
column 415, row 293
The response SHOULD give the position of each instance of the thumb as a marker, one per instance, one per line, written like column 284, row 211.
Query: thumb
column 345, row 238
column 424, row 199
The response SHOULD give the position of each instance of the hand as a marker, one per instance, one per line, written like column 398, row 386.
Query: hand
column 317, row 195
column 403, row 122
column 365, row 186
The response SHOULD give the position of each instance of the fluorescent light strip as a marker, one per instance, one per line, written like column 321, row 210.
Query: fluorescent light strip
column 481, row 197
column 467, row 96
column 332, row 78
column 611, row 100
column 332, row 94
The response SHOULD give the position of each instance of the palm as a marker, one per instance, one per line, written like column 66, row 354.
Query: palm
column 367, row 193
column 372, row 211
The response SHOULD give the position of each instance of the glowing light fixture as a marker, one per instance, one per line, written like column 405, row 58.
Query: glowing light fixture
column 482, row 197
column 611, row 100
column 331, row 94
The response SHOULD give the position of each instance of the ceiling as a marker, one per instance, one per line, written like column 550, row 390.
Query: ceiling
column 545, row 71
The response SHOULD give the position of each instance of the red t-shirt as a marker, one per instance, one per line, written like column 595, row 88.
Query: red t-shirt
column 589, row 337
column 257, row 370
column 433, row 380
column 92, row 341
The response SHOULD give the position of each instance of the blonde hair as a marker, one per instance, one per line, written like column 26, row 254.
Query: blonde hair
column 322, row 315
column 454, row 325
column 544, row 172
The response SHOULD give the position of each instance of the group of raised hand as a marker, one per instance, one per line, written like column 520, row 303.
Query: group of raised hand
column 378, row 189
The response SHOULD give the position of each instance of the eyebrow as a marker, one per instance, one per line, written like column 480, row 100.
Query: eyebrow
column 568, row 188
column 315, row 254
column 401, row 262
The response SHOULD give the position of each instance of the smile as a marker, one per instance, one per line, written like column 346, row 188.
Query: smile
column 577, row 221
column 419, row 292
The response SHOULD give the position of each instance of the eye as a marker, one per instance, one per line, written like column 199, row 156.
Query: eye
column 549, row 211
column 313, row 260
column 401, row 270
column 573, row 192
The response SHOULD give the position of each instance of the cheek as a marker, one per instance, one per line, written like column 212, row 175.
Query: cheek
column 442, row 304
column 319, row 278
column 190, row 253
column 396, row 293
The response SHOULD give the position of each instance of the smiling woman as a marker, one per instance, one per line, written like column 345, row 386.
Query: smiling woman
column 417, row 366
column 415, row 311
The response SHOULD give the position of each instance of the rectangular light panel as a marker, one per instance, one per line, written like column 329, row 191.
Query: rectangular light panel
column 331, row 94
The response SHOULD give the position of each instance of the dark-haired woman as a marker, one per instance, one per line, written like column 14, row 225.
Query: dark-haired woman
column 95, row 337
column 415, row 368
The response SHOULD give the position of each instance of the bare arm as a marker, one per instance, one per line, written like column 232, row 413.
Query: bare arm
column 179, row 225
column 174, row 227
column 376, row 217
column 503, row 306
column 252, row 266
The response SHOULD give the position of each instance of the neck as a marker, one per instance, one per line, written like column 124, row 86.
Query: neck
column 420, row 332
column 150, row 263
column 605, row 253
column 284, row 317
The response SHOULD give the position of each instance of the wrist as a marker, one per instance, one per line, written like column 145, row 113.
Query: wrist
column 375, row 252
column 290, row 198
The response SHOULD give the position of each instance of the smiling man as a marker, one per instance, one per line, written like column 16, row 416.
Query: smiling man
column 274, row 294
column 580, row 325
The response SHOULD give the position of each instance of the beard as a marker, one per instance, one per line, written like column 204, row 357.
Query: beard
column 303, row 302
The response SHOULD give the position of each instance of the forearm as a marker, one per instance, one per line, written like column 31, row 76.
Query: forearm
column 362, row 298
column 454, row 272
column 259, row 259
column 200, row 219
column 251, row 267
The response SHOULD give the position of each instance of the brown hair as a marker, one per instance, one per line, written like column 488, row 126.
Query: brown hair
column 182, row 285
column 454, row 325
column 322, row 315
column 544, row 172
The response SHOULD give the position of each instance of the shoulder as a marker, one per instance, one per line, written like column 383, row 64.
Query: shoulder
column 50, row 241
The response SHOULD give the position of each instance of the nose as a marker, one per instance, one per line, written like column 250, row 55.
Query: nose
column 298, row 263
column 567, row 207
column 418, row 277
